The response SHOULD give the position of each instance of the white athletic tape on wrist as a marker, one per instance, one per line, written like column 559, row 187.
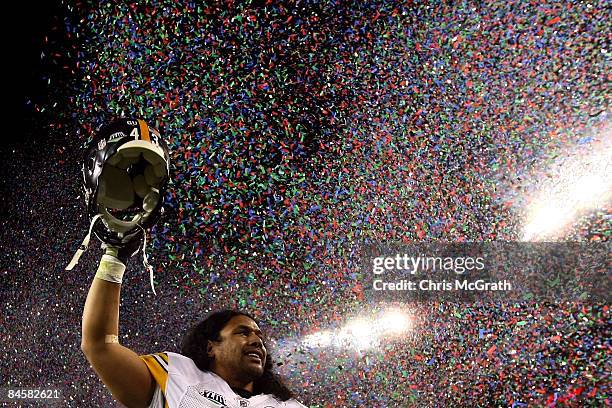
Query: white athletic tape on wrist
column 111, row 269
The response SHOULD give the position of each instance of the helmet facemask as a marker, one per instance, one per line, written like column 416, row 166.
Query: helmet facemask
column 128, row 190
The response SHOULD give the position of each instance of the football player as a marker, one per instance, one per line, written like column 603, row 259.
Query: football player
column 224, row 361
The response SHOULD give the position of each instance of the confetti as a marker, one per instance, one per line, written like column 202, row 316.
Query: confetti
column 298, row 132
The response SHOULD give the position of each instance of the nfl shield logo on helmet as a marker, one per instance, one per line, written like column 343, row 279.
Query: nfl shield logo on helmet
column 101, row 144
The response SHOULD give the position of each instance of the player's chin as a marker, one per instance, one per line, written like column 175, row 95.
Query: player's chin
column 254, row 368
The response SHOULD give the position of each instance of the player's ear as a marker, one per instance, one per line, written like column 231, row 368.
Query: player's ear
column 210, row 352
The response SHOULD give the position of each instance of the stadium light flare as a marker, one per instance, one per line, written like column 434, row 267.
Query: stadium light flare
column 362, row 333
column 319, row 339
column 395, row 322
column 579, row 182
column 546, row 217
column 590, row 189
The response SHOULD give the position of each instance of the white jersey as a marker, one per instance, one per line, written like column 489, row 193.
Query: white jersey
column 181, row 384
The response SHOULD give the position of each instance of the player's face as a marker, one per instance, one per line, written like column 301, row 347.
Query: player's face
column 241, row 351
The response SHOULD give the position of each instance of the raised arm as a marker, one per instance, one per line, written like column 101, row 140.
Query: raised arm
column 123, row 372
column 126, row 169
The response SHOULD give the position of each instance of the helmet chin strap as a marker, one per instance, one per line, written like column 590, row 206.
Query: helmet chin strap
column 84, row 245
column 145, row 260
column 149, row 203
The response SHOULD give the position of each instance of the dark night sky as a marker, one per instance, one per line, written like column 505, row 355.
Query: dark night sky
column 26, row 40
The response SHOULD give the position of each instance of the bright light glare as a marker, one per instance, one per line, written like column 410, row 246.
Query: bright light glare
column 579, row 181
column 589, row 189
column 361, row 333
column 546, row 218
column 395, row 322
column 360, row 327
column 318, row 339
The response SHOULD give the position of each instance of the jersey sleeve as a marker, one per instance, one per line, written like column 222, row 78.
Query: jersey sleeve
column 158, row 367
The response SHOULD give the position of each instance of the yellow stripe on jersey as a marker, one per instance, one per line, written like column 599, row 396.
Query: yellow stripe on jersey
column 164, row 356
column 158, row 366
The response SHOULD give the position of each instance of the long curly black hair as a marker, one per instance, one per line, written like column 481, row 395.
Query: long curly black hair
column 195, row 342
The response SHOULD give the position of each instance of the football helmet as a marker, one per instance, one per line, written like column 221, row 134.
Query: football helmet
column 125, row 172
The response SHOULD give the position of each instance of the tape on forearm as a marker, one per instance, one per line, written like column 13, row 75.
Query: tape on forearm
column 111, row 338
column 111, row 269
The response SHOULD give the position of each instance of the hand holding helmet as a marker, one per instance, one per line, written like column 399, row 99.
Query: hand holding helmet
column 125, row 173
